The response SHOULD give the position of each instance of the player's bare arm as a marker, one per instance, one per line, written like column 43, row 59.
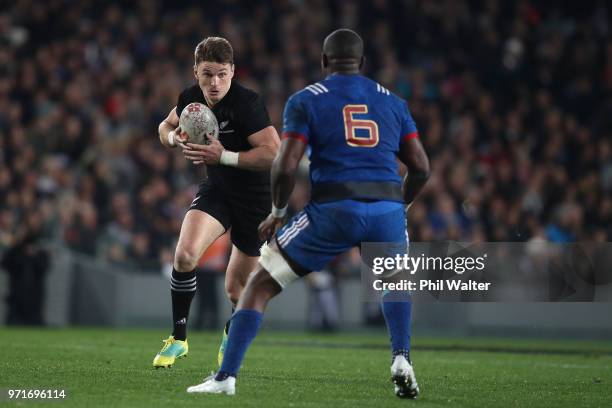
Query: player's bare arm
column 282, row 176
column 265, row 146
column 170, row 134
column 413, row 155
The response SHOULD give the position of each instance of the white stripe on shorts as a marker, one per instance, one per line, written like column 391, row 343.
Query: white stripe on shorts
column 291, row 232
column 297, row 221
column 294, row 233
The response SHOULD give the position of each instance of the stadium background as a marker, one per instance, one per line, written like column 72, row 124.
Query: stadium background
column 512, row 100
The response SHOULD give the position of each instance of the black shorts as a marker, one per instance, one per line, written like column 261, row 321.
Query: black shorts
column 243, row 213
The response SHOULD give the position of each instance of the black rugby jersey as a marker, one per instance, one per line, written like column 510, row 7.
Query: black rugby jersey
column 240, row 113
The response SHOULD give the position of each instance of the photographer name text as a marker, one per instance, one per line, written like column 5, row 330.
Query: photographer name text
column 431, row 285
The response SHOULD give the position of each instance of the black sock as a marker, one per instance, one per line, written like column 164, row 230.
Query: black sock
column 227, row 324
column 182, row 288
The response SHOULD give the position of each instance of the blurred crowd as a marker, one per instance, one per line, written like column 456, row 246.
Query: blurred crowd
column 512, row 101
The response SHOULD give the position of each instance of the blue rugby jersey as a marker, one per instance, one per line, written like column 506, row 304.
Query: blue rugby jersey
column 353, row 126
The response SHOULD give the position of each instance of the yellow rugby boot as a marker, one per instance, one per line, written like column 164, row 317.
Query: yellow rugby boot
column 171, row 350
column 222, row 346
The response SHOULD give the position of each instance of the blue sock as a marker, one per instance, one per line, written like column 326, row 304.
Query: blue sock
column 243, row 329
column 396, row 308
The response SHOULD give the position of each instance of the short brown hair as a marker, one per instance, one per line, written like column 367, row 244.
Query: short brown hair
column 214, row 49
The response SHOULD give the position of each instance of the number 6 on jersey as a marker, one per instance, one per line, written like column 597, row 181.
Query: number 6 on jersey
column 351, row 125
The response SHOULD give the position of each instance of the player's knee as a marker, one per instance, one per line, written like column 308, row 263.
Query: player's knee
column 233, row 291
column 259, row 289
column 262, row 285
column 185, row 260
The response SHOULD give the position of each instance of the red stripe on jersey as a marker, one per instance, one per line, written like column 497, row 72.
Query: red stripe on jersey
column 413, row 135
column 295, row 135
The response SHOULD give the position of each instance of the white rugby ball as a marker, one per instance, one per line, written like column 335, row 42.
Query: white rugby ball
column 199, row 122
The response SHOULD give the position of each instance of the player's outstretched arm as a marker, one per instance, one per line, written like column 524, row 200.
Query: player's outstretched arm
column 284, row 167
column 282, row 176
column 413, row 155
column 170, row 134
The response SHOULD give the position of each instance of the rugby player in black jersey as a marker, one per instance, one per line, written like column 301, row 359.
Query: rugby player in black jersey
column 236, row 192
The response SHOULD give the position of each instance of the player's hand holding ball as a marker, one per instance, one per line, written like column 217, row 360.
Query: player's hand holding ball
column 178, row 137
column 209, row 154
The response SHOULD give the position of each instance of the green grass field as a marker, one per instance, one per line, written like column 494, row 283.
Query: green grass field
column 112, row 368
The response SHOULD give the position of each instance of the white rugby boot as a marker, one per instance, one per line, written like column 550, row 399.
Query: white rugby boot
column 402, row 375
column 212, row 386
